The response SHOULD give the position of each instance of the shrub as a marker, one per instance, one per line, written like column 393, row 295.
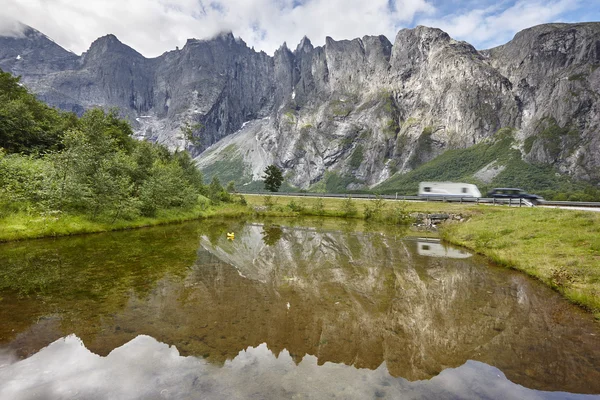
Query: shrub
column 374, row 209
column 319, row 207
column 349, row 208
column 216, row 192
column 296, row 207
column 231, row 187
column 269, row 201
column 398, row 214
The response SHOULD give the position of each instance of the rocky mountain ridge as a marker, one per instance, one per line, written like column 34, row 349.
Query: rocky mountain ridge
column 354, row 111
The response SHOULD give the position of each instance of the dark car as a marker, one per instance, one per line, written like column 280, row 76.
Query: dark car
column 514, row 193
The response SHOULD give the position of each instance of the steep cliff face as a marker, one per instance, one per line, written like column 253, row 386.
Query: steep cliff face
column 352, row 112
column 359, row 111
column 554, row 71
column 218, row 83
column 213, row 85
column 35, row 57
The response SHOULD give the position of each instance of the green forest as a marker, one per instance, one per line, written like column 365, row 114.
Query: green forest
column 54, row 162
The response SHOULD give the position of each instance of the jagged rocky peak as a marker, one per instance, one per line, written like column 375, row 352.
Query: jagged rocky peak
column 25, row 50
column 110, row 44
column 379, row 41
column 554, row 72
column 412, row 45
column 551, row 46
column 18, row 30
column 378, row 50
column 220, row 48
column 283, row 48
column 343, row 45
column 305, row 46
column 581, row 40
column 421, row 36
column 226, row 37
column 26, row 35
column 283, row 55
column 12, row 28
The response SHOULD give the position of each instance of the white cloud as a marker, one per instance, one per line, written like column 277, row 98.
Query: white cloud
column 494, row 25
column 155, row 26
column 10, row 27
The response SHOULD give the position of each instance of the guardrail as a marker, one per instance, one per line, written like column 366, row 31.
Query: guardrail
column 448, row 199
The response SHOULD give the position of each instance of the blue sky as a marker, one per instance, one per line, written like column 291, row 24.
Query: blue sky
column 155, row 26
column 485, row 23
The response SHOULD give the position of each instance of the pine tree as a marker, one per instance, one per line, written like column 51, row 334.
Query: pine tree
column 273, row 178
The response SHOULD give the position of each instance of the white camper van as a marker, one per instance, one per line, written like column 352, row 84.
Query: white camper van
column 448, row 189
column 433, row 248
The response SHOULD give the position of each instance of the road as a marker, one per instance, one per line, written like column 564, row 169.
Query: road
column 595, row 209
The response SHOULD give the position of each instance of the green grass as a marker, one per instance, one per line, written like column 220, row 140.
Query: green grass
column 232, row 169
column 31, row 226
column 333, row 207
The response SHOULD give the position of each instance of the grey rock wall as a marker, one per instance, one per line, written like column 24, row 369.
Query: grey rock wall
column 555, row 76
column 361, row 109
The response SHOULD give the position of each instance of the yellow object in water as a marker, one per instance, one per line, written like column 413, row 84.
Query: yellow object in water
column 230, row 235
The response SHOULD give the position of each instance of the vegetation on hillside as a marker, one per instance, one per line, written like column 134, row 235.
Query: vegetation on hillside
column 54, row 163
column 460, row 165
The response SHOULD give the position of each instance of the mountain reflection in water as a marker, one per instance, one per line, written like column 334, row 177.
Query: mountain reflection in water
column 336, row 309
column 147, row 369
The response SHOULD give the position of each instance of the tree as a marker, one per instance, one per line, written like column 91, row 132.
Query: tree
column 273, row 178
column 188, row 131
column 216, row 193
column 27, row 125
column 231, row 187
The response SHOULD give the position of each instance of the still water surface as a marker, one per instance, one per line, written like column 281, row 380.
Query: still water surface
column 288, row 310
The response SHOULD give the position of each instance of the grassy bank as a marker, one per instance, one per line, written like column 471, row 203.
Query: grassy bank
column 30, row 226
column 334, row 207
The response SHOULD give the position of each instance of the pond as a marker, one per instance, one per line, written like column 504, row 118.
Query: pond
column 284, row 309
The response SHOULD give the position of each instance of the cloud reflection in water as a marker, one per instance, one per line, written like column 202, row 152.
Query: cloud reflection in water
column 147, row 369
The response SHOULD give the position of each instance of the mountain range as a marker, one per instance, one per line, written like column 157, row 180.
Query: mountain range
column 350, row 115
